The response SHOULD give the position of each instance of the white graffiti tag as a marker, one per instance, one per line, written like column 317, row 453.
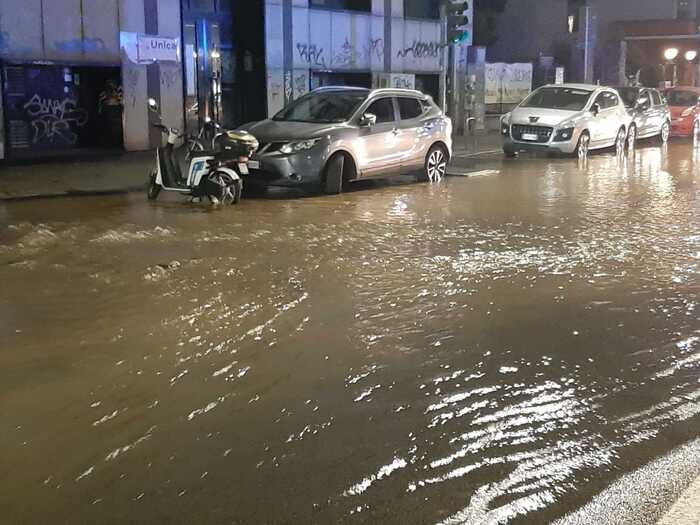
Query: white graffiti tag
column 52, row 118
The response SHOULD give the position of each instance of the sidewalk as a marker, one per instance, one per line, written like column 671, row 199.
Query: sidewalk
column 115, row 174
column 129, row 171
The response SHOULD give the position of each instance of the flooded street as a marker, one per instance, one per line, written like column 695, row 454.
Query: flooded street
column 491, row 349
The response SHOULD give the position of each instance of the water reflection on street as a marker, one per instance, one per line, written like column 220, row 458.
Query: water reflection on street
column 489, row 349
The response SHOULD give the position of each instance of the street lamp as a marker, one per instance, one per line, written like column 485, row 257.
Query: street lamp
column 691, row 55
column 671, row 53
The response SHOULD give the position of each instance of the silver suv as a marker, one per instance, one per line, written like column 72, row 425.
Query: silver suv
column 334, row 135
column 567, row 118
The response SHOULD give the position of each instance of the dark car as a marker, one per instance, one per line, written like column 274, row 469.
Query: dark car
column 652, row 117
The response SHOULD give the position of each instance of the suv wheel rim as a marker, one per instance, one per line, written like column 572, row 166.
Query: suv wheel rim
column 696, row 130
column 665, row 132
column 436, row 165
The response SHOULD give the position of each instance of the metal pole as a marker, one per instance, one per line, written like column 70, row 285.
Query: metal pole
column 443, row 60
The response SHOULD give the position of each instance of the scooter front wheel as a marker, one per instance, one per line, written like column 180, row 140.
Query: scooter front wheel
column 153, row 188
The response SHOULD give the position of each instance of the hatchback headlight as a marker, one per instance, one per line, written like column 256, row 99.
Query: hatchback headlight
column 564, row 134
column 687, row 112
column 294, row 147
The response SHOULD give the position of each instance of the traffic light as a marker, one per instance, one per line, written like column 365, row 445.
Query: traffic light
column 457, row 21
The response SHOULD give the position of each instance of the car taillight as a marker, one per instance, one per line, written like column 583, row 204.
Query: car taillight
column 687, row 112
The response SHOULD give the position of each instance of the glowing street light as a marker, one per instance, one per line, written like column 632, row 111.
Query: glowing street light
column 671, row 53
column 691, row 55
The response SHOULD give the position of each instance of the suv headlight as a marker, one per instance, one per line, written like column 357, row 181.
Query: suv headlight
column 294, row 147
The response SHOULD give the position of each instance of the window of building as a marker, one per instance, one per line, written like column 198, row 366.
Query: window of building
column 685, row 10
column 409, row 108
column 421, row 9
column 352, row 5
column 383, row 109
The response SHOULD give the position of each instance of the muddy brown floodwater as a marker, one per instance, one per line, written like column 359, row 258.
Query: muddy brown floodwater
column 497, row 348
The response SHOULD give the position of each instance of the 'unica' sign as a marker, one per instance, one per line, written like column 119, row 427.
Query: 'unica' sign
column 158, row 49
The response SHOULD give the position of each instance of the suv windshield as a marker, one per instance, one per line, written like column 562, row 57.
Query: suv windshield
column 558, row 98
column 682, row 98
column 629, row 96
column 323, row 107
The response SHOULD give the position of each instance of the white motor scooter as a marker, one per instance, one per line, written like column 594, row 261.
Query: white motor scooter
column 212, row 174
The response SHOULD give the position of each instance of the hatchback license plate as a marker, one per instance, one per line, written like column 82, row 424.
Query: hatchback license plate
column 254, row 164
column 243, row 168
column 529, row 136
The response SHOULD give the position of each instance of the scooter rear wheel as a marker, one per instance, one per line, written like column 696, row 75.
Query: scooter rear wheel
column 228, row 190
column 153, row 188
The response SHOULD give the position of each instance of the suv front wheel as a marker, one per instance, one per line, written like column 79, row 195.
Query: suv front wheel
column 435, row 164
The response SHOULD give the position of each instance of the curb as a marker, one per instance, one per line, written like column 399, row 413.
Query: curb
column 71, row 193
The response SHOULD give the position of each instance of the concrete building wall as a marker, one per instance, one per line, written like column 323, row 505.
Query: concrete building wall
column 301, row 40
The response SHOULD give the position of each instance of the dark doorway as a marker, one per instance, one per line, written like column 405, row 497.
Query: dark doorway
column 246, row 99
column 429, row 84
column 224, row 62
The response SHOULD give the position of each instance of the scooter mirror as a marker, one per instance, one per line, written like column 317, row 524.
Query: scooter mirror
column 152, row 104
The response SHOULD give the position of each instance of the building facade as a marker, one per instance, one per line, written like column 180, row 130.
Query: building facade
column 72, row 77
column 77, row 74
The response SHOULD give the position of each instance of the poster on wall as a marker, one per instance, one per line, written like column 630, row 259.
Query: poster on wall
column 507, row 83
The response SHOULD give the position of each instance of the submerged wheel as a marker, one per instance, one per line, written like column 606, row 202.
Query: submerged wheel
column 332, row 183
column 620, row 141
column 153, row 187
column 583, row 146
column 696, row 130
column 632, row 139
column 665, row 133
column 435, row 164
column 222, row 188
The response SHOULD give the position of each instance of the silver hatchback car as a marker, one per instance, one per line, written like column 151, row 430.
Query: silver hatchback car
column 334, row 135
column 567, row 118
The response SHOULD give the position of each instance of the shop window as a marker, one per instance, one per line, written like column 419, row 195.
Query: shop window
column 351, row 5
column 421, row 9
column 51, row 109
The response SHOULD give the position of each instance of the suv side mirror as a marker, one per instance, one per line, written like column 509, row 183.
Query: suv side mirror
column 368, row 119
column 595, row 109
column 643, row 102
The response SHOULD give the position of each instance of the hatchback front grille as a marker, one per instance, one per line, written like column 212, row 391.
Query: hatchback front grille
column 543, row 133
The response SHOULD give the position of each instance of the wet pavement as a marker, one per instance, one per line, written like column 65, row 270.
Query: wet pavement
column 491, row 349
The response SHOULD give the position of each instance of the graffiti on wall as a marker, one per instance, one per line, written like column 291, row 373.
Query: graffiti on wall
column 420, row 49
column 345, row 56
column 53, row 119
column 375, row 48
column 288, row 89
column 301, row 84
column 311, row 54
